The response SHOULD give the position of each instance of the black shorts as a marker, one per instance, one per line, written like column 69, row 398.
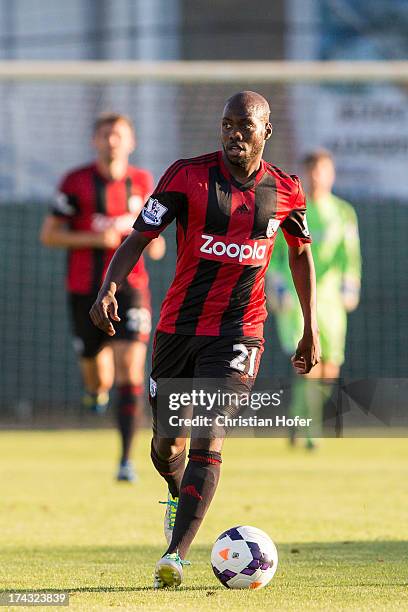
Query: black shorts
column 135, row 324
column 232, row 362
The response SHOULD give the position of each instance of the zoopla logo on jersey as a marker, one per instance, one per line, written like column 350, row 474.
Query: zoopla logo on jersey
column 250, row 252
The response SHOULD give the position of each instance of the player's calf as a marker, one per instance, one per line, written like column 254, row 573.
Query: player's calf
column 170, row 467
column 197, row 489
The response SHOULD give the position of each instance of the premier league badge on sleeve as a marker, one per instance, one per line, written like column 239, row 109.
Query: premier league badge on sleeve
column 63, row 205
column 153, row 212
column 272, row 227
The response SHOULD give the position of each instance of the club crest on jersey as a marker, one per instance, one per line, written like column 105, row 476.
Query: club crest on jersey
column 272, row 227
column 153, row 212
column 153, row 387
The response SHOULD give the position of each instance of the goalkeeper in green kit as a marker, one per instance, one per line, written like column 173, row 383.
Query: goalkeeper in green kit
column 336, row 252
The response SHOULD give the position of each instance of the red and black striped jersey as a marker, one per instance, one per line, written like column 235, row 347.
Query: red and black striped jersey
column 91, row 203
column 225, row 236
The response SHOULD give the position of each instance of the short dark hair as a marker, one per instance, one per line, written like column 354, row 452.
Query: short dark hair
column 313, row 157
column 111, row 118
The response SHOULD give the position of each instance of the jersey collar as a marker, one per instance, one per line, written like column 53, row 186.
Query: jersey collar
column 251, row 181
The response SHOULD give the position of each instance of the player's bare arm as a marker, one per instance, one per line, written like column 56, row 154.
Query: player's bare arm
column 303, row 273
column 105, row 308
column 56, row 233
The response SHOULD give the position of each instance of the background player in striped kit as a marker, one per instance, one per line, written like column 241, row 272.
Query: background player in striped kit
column 336, row 252
column 228, row 206
column 94, row 211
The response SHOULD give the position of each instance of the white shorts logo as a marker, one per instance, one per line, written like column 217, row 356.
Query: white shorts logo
column 153, row 387
column 139, row 320
column 272, row 227
column 153, row 212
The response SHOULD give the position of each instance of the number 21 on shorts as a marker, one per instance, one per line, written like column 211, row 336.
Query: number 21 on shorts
column 238, row 363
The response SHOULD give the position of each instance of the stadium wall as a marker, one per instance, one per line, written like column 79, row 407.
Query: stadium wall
column 39, row 375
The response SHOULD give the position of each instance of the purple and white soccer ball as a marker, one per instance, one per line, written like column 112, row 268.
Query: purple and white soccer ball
column 244, row 558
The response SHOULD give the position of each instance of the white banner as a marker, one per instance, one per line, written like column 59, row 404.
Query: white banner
column 364, row 125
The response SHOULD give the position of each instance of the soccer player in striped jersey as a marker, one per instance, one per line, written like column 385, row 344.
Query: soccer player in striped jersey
column 228, row 206
column 94, row 211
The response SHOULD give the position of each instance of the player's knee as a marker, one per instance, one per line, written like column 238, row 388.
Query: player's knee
column 130, row 360
column 129, row 374
column 167, row 448
column 208, row 444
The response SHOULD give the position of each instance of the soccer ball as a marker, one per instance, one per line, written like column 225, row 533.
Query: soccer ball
column 244, row 558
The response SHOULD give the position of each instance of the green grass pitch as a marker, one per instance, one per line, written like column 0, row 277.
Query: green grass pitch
column 338, row 517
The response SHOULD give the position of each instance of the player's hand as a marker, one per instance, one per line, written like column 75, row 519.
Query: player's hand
column 307, row 353
column 109, row 238
column 104, row 311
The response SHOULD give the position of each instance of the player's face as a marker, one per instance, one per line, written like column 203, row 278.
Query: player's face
column 243, row 135
column 320, row 176
column 114, row 141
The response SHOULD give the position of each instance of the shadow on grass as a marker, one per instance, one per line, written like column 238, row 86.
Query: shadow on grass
column 347, row 553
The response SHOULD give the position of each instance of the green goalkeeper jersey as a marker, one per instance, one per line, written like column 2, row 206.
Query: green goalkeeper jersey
column 336, row 252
